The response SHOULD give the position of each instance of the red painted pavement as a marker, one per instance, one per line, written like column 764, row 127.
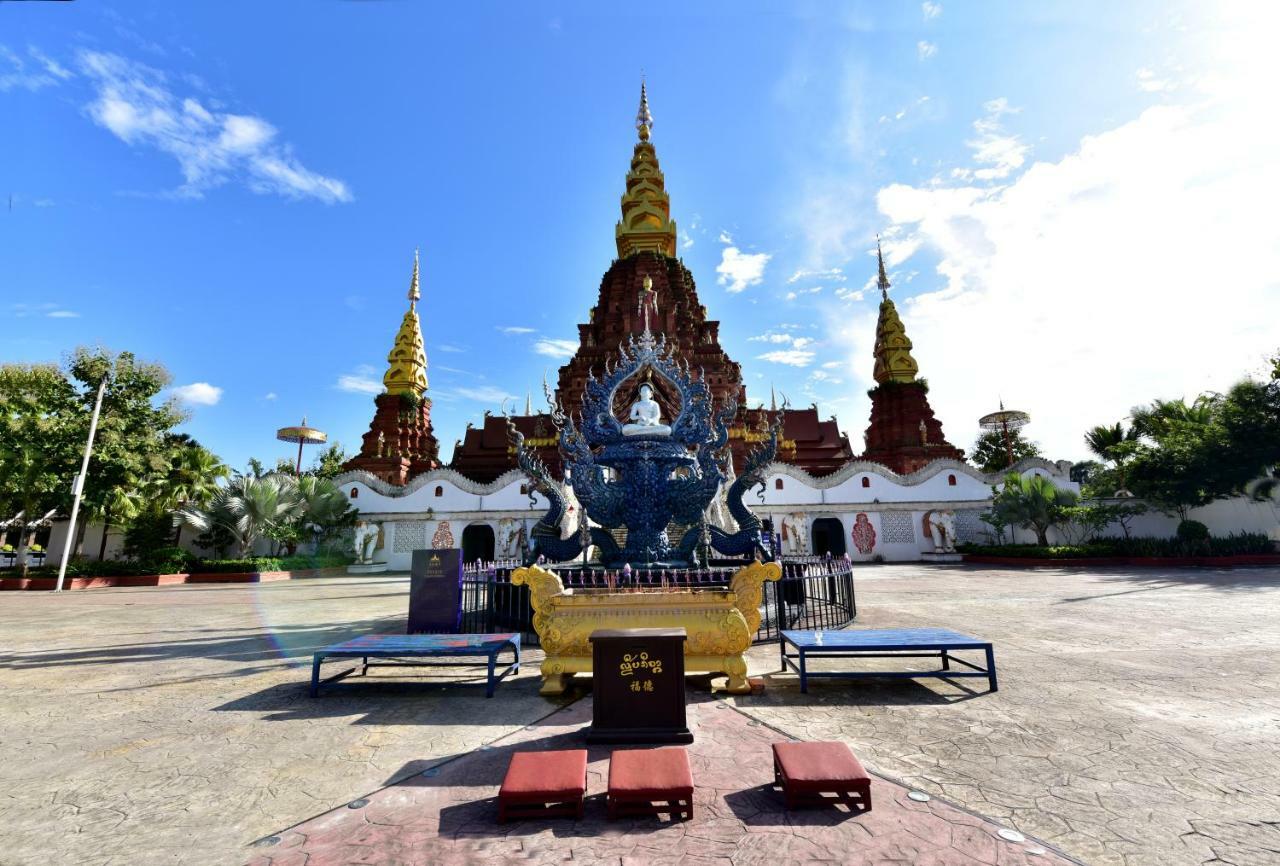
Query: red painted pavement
column 451, row 817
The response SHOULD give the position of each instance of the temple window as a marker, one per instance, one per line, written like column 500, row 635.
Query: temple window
column 951, row 480
column 439, row 491
column 777, row 485
column 354, row 492
column 866, row 482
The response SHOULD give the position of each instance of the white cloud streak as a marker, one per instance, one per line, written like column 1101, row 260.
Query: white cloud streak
column 556, row 348
column 135, row 103
column 198, row 394
column 738, row 270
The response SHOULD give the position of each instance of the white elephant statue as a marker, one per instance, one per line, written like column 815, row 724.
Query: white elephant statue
column 940, row 526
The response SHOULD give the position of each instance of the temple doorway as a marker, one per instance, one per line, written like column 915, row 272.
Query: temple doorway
column 828, row 537
column 478, row 542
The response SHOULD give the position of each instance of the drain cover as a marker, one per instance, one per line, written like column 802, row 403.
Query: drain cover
column 267, row 842
column 918, row 796
column 434, row 771
column 358, row 804
column 1011, row 835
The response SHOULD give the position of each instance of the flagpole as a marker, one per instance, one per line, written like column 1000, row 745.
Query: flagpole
column 77, row 486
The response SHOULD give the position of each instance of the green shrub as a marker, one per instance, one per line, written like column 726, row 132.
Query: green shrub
column 236, row 566
column 1242, row 544
column 1192, row 530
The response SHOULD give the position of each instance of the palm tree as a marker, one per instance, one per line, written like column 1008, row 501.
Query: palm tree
column 1162, row 416
column 193, row 478
column 248, row 508
column 1113, row 445
column 326, row 506
column 1033, row 502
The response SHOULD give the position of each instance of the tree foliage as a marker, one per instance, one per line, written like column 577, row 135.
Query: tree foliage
column 991, row 455
column 1191, row 454
column 1032, row 502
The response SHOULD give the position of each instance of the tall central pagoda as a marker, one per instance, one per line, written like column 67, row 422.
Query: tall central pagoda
column 648, row 286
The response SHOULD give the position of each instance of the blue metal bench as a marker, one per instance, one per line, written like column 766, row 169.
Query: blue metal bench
column 886, row 643
column 419, row 647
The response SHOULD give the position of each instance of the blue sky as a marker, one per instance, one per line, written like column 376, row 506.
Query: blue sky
column 1076, row 199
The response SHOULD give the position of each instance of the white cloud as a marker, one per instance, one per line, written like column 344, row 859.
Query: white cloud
column 925, row 50
column 63, row 314
column 771, row 337
column 449, row 347
column 1144, row 264
column 930, row 10
column 556, row 348
column 824, row 376
column 485, row 394
column 790, row 357
column 1152, row 83
column 198, row 394
column 135, row 103
column 362, row 381
column 829, row 274
column 993, row 146
column 35, row 72
column 737, row 269
column 515, row 329
column 270, row 395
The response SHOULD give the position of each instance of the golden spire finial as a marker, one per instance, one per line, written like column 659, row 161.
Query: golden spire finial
column 414, row 293
column 407, row 363
column 644, row 120
column 646, row 224
column 883, row 280
column 893, row 349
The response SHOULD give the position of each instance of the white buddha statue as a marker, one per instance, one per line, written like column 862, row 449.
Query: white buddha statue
column 646, row 416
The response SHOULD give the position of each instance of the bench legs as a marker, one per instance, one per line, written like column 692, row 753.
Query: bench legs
column 858, row 798
column 991, row 670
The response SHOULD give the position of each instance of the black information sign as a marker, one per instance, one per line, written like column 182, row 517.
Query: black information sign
column 435, row 592
column 637, row 683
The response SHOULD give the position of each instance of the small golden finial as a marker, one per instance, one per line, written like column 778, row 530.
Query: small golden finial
column 414, row 293
column 883, row 280
column 644, row 120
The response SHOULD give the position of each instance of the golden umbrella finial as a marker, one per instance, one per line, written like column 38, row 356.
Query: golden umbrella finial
column 303, row 435
column 644, row 120
column 414, row 293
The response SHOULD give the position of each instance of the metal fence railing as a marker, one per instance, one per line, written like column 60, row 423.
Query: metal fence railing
column 814, row 593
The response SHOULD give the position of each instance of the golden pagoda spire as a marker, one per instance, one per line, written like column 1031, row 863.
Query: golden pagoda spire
column 407, row 363
column 893, row 350
column 646, row 223
column 883, row 280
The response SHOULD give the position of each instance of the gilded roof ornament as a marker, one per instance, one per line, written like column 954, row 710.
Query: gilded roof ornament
column 894, row 362
column 407, row 362
column 644, row 120
column 646, row 224
column 414, row 293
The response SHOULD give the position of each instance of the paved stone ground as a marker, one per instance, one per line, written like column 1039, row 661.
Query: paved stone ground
column 448, row 818
column 1138, row 719
column 172, row 725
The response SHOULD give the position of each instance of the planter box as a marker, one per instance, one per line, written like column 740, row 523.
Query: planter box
column 46, row 584
column 1244, row 559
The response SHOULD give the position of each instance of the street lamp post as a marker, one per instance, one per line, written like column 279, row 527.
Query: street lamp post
column 77, row 486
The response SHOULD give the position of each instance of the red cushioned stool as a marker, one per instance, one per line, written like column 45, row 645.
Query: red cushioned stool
column 651, row 782
column 544, row 784
column 808, row 772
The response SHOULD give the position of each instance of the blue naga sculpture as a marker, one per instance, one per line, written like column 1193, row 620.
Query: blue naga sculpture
column 645, row 476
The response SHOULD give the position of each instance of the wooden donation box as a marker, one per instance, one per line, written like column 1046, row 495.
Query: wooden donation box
column 638, row 686
column 435, row 591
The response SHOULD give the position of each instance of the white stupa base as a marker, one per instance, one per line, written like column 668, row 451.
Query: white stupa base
column 367, row 568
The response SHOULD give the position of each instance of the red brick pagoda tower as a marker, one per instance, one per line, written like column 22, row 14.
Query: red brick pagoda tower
column 648, row 280
column 904, row 435
column 401, row 443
